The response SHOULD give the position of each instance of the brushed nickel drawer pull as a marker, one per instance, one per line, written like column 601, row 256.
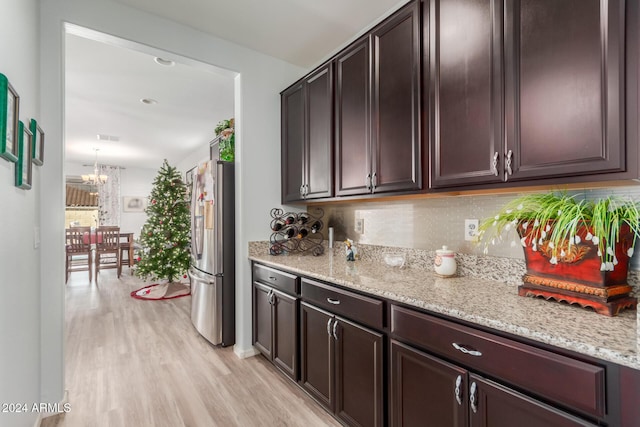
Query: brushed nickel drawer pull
column 465, row 350
column 273, row 278
column 333, row 301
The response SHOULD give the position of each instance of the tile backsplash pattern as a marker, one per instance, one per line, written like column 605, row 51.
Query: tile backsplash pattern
column 431, row 223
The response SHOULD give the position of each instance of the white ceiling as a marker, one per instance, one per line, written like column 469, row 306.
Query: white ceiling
column 104, row 82
column 103, row 88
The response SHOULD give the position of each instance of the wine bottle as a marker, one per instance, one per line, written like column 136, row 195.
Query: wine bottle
column 302, row 233
column 277, row 224
column 290, row 232
column 316, row 226
column 290, row 219
column 303, row 218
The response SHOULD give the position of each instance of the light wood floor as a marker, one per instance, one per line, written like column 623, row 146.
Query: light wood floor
column 141, row 363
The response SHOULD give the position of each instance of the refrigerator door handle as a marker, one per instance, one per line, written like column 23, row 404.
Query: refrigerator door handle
column 199, row 279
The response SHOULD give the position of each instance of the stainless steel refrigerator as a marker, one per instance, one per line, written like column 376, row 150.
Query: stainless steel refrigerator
column 212, row 271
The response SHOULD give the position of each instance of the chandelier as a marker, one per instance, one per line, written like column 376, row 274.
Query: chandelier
column 95, row 178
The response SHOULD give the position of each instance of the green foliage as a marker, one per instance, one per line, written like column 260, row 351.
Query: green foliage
column 225, row 129
column 557, row 218
column 165, row 236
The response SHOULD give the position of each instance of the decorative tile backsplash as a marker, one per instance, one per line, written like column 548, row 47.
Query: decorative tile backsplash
column 431, row 223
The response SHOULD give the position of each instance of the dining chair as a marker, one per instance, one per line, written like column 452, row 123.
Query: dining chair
column 107, row 249
column 78, row 250
column 126, row 246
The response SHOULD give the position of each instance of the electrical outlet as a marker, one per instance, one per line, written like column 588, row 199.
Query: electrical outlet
column 471, row 229
column 359, row 226
column 36, row 237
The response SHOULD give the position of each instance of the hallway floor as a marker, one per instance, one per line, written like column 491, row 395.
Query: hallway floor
column 140, row 363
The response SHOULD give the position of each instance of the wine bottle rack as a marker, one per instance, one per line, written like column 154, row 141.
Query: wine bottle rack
column 293, row 232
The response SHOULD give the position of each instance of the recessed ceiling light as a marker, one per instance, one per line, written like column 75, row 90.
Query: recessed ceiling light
column 148, row 101
column 165, row 62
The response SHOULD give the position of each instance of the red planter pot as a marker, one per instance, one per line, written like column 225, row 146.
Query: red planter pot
column 576, row 274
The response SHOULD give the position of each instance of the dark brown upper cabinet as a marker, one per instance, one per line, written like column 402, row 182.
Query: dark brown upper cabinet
column 465, row 91
column 353, row 118
column 555, row 110
column 378, row 109
column 307, row 137
column 564, row 88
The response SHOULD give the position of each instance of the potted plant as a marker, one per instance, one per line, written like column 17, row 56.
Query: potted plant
column 226, row 131
column 576, row 250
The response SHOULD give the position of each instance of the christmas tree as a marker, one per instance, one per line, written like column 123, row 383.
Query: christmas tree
column 165, row 235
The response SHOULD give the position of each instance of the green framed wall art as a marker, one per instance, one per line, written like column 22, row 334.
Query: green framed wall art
column 37, row 147
column 24, row 166
column 9, row 110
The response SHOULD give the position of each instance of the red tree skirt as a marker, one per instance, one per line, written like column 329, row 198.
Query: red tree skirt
column 160, row 291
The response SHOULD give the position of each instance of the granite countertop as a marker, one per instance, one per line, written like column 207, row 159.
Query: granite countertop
column 490, row 303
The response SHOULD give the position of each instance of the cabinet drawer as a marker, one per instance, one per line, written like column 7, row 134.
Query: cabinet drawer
column 561, row 379
column 368, row 311
column 276, row 279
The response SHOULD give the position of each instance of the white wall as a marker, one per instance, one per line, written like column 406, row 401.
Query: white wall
column 135, row 182
column 257, row 113
column 19, row 215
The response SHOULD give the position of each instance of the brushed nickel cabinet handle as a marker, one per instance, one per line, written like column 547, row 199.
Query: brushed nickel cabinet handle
column 457, row 390
column 494, row 164
column 465, row 350
column 329, row 326
column 367, row 182
column 335, row 334
column 508, row 162
column 473, row 397
column 374, row 182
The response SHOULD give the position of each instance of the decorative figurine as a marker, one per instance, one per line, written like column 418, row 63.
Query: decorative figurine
column 350, row 250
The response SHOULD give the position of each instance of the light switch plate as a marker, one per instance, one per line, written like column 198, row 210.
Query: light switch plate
column 471, row 230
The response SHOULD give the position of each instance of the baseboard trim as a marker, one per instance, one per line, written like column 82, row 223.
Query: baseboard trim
column 244, row 353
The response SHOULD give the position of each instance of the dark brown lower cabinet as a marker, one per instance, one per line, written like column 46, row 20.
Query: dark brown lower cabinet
column 428, row 391
column 275, row 327
column 342, row 366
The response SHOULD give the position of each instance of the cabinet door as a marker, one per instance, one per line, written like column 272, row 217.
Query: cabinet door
column 292, row 104
column 397, row 162
column 285, row 333
column 316, row 354
column 319, row 138
column 493, row 405
column 262, row 322
column 353, row 112
column 565, row 87
column 359, row 371
column 425, row 390
column 466, row 92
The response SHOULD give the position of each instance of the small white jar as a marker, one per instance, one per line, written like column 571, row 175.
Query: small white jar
column 445, row 262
